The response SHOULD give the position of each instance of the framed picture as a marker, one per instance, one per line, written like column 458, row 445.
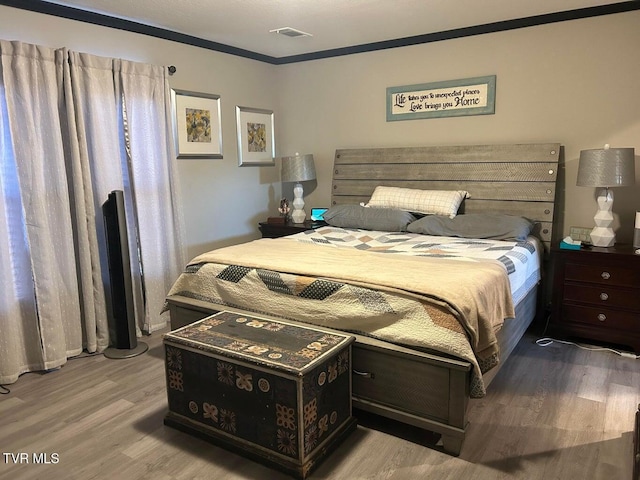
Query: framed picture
column 256, row 140
column 197, row 125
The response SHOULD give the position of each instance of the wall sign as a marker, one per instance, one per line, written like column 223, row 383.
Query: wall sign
column 452, row 98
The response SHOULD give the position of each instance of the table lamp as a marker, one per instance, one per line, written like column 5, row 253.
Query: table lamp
column 604, row 168
column 298, row 168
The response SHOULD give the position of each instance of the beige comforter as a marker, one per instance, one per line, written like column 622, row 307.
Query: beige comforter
column 426, row 295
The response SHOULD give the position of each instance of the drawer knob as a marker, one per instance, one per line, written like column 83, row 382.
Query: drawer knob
column 602, row 317
column 604, row 296
column 605, row 275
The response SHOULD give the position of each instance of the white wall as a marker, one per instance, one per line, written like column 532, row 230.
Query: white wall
column 572, row 82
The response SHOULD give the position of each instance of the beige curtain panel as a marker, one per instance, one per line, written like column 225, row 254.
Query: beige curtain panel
column 74, row 127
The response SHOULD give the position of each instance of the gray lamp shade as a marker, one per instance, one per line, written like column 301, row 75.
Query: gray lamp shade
column 298, row 168
column 608, row 167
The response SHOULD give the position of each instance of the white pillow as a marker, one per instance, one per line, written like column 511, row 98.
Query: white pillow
column 428, row 202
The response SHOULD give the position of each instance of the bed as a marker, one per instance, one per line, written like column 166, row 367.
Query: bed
column 396, row 372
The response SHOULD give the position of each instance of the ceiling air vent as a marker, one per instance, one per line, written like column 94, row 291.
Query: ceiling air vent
column 290, row 32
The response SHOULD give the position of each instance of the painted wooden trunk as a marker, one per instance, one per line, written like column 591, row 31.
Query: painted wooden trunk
column 276, row 391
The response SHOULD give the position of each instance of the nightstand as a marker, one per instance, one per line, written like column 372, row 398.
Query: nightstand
column 275, row 230
column 596, row 294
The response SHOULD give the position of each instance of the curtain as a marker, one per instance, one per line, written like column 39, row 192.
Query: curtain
column 154, row 183
column 93, row 166
column 73, row 127
column 39, row 285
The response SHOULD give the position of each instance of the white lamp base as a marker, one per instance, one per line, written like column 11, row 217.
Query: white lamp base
column 603, row 235
column 298, row 215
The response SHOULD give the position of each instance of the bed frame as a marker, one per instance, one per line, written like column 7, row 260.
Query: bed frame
column 430, row 390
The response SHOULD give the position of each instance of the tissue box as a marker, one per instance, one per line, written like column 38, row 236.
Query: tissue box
column 568, row 246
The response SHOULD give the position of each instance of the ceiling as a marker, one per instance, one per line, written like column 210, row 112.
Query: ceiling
column 334, row 24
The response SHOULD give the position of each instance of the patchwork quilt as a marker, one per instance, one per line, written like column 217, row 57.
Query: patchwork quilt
column 425, row 297
column 521, row 259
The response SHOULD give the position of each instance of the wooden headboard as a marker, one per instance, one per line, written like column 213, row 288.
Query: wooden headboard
column 511, row 179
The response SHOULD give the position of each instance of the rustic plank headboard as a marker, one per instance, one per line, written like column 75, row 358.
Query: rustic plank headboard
column 511, row 179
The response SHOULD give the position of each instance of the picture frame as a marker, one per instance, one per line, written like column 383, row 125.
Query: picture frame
column 197, row 124
column 256, row 139
column 451, row 98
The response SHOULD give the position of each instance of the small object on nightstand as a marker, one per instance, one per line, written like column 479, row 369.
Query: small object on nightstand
column 277, row 220
column 317, row 214
column 284, row 208
column 568, row 243
column 580, row 233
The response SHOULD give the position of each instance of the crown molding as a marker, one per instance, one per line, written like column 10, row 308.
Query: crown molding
column 135, row 27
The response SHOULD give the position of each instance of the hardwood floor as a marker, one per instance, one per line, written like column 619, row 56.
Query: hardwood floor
column 552, row 413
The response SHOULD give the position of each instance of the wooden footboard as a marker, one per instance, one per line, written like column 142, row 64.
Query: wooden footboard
column 389, row 380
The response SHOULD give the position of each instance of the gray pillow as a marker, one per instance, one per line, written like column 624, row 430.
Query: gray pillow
column 369, row 218
column 474, row 225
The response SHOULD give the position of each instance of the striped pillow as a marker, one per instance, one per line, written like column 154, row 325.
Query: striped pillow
column 428, row 202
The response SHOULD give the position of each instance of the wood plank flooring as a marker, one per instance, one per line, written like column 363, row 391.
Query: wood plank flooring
column 551, row 413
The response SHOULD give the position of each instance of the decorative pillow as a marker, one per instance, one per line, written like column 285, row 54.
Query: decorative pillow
column 428, row 202
column 356, row 216
column 475, row 225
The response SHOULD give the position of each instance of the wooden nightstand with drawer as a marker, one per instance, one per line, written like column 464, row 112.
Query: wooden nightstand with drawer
column 276, row 230
column 596, row 295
